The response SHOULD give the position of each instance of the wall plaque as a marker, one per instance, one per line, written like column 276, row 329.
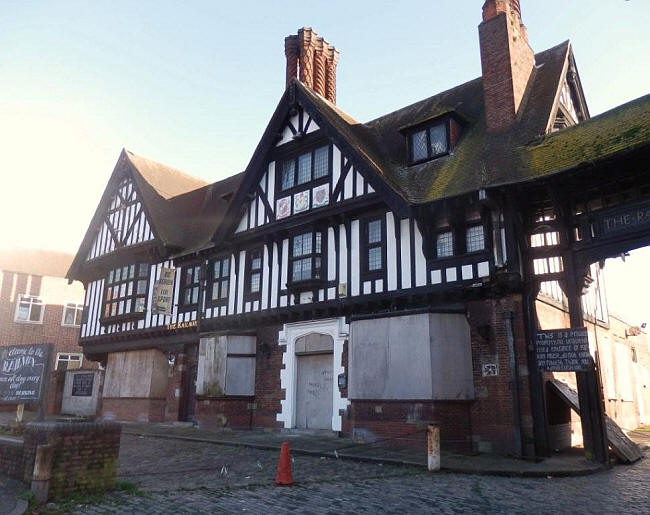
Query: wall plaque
column 82, row 385
column 22, row 368
column 563, row 350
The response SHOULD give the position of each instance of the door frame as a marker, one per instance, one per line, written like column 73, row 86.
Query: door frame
column 339, row 331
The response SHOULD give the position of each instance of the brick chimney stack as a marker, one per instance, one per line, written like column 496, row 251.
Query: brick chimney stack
column 313, row 61
column 507, row 61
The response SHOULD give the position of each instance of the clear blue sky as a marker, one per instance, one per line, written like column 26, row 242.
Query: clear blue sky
column 193, row 84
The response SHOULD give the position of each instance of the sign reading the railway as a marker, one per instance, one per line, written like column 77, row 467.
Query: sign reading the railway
column 625, row 219
column 22, row 368
column 563, row 350
column 82, row 385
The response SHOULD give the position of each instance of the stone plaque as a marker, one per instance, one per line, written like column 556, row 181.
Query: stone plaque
column 82, row 385
column 563, row 350
column 22, row 368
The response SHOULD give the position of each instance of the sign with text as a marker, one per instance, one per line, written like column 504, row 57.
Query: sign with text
column 563, row 350
column 82, row 384
column 626, row 219
column 22, row 368
column 163, row 292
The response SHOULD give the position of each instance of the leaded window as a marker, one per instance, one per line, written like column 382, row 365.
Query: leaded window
column 375, row 261
column 445, row 244
column 306, row 256
column 305, row 167
column 126, row 290
column 475, row 238
column 190, row 281
column 429, row 142
column 254, row 271
column 220, row 279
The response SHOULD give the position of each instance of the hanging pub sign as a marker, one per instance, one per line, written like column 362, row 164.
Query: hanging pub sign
column 563, row 350
column 22, row 371
column 163, row 292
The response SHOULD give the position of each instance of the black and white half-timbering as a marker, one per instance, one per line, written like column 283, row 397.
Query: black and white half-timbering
column 364, row 278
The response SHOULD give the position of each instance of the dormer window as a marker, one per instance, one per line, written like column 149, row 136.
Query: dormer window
column 428, row 142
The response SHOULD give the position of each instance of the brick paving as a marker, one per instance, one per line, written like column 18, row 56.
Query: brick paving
column 194, row 477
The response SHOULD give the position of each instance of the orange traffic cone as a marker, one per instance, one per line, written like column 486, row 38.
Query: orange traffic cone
column 283, row 477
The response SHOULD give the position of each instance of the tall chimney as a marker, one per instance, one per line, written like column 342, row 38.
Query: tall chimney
column 313, row 61
column 507, row 62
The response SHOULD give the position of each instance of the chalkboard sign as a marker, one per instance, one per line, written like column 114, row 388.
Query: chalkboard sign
column 82, row 385
column 22, row 368
column 563, row 350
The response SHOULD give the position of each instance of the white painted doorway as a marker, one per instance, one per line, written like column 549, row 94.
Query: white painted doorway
column 312, row 364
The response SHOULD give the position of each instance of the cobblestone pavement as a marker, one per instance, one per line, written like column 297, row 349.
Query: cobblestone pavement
column 193, row 477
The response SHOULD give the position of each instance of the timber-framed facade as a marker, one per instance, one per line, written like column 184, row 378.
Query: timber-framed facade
column 371, row 277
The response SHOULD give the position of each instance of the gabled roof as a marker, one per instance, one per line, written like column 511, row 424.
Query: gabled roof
column 46, row 263
column 479, row 160
column 183, row 210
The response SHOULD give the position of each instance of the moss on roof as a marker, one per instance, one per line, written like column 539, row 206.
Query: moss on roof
column 623, row 128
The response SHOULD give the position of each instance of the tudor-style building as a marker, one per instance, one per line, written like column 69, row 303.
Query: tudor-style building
column 363, row 277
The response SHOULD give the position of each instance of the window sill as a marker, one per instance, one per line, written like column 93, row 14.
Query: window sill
column 432, row 158
column 185, row 309
column 31, row 322
column 71, row 325
column 122, row 318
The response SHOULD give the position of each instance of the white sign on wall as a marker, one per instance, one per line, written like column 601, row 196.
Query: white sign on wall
column 163, row 292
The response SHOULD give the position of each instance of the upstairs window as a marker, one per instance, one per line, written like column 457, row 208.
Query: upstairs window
column 475, row 238
column 445, row 244
column 72, row 314
column 306, row 257
column 68, row 361
column 304, row 168
column 373, row 246
column 428, row 143
column 220, row 280
column 126, row 291
column 30, row 310
column 190, row 280
column 254, row 266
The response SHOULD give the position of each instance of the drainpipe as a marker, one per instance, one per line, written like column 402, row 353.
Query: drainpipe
column 514, row 382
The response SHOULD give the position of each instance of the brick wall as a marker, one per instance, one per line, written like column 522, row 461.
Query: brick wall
column 405, row 422
column 492, row 414
column 135, row 409
column 232, row 412
column 11, row 458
